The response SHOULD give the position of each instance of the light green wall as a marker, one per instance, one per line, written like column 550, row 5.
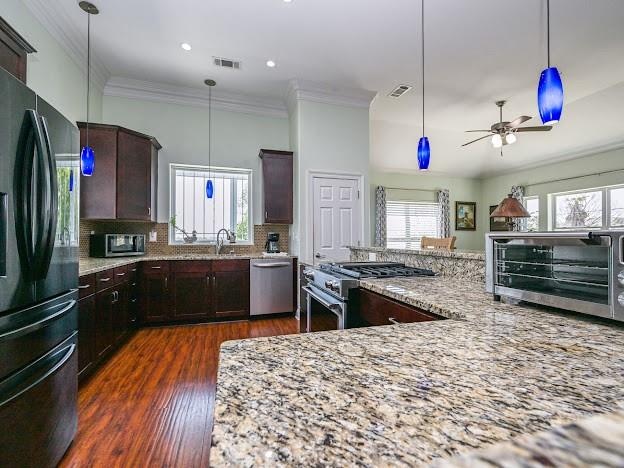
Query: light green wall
column 183, row 133
column 538, row 180
column 51, row 72
column 330, row 138
column 460, row 189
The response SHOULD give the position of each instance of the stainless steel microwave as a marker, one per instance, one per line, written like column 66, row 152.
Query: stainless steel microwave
column 116, row 245
column 578, row 271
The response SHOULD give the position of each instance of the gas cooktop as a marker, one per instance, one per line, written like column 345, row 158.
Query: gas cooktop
column 376, row 270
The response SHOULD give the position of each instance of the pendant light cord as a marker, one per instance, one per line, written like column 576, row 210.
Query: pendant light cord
column 422, row 29
column 88, row 69
column 548, row 30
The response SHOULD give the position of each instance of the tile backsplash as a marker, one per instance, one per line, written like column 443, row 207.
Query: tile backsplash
column 162, row 247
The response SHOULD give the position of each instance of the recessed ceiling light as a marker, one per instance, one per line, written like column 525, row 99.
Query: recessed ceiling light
column 270, row 64
column 186, row 46
column 287, row 1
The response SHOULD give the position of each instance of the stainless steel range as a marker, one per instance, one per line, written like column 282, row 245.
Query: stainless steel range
column 328, row 287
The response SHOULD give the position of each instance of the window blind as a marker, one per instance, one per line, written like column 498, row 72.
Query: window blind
column 409, row 221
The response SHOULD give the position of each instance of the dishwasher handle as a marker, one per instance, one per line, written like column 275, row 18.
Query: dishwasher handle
column 271, row 265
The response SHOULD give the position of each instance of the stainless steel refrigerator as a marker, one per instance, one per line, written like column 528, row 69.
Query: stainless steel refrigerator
column 39, row 164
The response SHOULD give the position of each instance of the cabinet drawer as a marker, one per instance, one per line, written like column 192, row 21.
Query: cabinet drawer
column 191, row 266
column 155, row 266
column 375, row 309
column 120, row 274
column 133, row 273
column 104, row 279
column 230, row 265
column 86, row 285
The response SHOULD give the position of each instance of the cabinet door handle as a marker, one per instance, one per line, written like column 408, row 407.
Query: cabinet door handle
column 266, row 215
column 214, row 281
column 166, row 281
column 84, row 286
column 394, row 321
column 105, row 280
column 156, row 268
column 121, row 274
column 149, row 210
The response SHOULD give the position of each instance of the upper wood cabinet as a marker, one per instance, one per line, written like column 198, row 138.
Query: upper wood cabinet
column 125, row 177
column 14, row 50
column 277, row 177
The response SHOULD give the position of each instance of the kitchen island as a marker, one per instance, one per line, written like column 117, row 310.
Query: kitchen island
column 411, row 394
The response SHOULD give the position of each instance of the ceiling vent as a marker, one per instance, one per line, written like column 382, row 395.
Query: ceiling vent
column 400, row 91
column 227, row 63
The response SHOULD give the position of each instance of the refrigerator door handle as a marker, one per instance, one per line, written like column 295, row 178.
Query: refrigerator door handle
column 48, row 364
column 11, row 334
column 51, row 211
column 29, row 242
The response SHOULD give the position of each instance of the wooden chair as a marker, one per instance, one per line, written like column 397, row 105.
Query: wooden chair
column 443, row 243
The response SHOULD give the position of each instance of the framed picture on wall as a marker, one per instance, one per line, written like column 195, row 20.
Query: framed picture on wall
column 499, row 223
column 465, row 216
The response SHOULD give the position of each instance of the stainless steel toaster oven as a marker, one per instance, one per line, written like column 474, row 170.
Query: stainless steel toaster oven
column 578, row 271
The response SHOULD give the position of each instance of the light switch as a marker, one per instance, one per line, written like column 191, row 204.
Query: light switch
column 372, row 257
column 153, row 236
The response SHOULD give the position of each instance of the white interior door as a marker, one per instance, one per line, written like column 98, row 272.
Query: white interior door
column 337, row 218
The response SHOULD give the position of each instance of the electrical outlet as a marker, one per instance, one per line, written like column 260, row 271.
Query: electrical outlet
column 372, row 257
column 153, row 236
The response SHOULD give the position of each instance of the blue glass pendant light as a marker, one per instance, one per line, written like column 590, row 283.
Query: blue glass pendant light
column 87, row 155
column 424, row 150
column 71, row 180
column 209, row 184
column 550, row 88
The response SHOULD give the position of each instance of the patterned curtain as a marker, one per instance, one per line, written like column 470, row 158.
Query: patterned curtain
column 445, row 212
column 517, row 191
column 380, row 217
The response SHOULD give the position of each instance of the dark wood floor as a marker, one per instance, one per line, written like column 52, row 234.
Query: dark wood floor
column 152, row 403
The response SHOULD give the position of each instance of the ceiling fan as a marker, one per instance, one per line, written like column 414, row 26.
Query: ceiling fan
column 504, row 133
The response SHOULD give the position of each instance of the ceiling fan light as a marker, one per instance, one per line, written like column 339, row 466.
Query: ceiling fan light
column 511, row 138
column 550, row 96
column 424, row 154
column 497, row 141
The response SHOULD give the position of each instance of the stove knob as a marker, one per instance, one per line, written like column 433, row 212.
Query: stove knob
column 308, row 274
column 621, row 277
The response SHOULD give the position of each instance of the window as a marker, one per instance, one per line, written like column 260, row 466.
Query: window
column 408, row 221
column 597, row 208
column 192, row 211
column 532, row 206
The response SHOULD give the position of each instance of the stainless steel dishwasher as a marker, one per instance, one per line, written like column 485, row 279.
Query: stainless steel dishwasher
column 271, row 286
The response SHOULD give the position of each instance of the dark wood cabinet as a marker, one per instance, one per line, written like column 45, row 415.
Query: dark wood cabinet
column 154, row 282
column 86, row 334
column 104, row 310
column 191, row 288
column 133, row 296
column 372, row 309
column 277, row 178
column 125, row 177
column 14, row 50
column 120, row 313
column 230, row 288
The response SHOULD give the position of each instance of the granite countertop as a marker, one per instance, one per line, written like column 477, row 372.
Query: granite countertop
column 412, row 394
column 458, row 253
column 91, row 265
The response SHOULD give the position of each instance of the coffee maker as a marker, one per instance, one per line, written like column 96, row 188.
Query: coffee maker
column 272, row 243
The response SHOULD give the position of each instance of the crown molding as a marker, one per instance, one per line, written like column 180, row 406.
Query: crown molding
column 170, row 94
column 54, row 18
column 314, row 91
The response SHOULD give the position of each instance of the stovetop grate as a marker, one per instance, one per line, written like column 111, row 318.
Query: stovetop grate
column 380, row 270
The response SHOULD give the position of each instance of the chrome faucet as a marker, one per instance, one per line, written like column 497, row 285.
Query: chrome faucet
column 229, row 235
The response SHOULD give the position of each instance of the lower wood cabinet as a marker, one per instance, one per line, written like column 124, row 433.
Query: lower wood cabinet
column 154, row 281
column 104, row 318
column 230, row 288
column 86, row 334
column 372, row 309
column 194, row 290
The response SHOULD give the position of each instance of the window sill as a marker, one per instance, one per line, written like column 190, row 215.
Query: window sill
column 210, row 244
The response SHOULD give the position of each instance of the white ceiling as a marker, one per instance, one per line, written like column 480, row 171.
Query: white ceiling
column 477, row 51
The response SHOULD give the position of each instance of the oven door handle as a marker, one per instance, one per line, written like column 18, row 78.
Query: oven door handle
column 333, row 307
